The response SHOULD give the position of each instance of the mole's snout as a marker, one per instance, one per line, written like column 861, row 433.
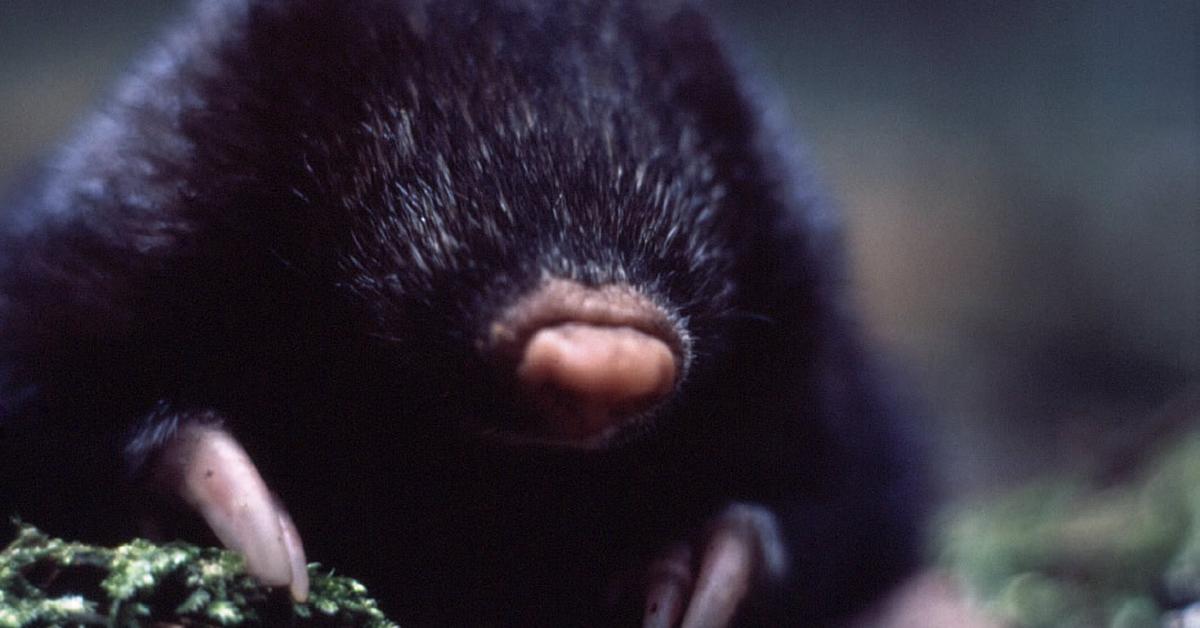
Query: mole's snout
column 586, row 377
column 588, row 360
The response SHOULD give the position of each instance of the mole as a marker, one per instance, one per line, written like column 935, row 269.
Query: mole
column 524, row 312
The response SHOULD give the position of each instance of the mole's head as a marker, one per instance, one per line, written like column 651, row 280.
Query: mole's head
column 533, row 213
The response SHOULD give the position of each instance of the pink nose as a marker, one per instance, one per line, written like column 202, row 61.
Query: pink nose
column 585, row 377
column 588, row 359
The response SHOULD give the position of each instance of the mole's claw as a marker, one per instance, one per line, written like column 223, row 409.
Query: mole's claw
column 668, row 582
column 206, row 467
column 291, row 541
column 723, row 581
column 744, row 548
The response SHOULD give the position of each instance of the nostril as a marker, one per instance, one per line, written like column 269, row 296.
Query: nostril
column 586, row 377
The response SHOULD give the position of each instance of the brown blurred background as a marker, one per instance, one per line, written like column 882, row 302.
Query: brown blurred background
column 1020, row 179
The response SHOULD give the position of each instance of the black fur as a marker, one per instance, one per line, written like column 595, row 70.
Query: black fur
column 298, row 218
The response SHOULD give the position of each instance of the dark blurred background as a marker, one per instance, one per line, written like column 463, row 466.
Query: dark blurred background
column 1020, row 179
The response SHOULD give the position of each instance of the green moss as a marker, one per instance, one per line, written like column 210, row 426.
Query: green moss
column 1064, row 553
column 50, row 582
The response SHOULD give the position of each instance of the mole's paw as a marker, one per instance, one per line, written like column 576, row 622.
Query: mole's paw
column 744, row 549
column 206, row 467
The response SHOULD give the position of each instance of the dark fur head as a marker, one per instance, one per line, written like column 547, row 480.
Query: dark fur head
column 421, row 165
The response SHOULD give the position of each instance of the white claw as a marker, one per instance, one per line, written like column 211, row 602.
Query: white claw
column 213, row 474
column 724, row 580
column 668, row 582
column 744, row 547
column 291, row 540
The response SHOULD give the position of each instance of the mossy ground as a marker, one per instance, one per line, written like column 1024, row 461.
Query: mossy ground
column 1062, row 553
column 1067, row 553
column 46, row 581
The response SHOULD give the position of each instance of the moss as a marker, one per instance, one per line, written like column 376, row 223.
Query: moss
column 46, row 581
column 1062, row 552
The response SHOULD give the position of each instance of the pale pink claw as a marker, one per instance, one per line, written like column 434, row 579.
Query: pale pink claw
column 295, row 550
column 668, row 582
column 213, row 474
column 724, row 580
column 744, row 547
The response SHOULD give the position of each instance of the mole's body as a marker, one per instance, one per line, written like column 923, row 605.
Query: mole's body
column 515, row 305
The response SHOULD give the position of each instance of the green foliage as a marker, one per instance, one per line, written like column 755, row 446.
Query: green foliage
column 1064, row 553
column 50, row 582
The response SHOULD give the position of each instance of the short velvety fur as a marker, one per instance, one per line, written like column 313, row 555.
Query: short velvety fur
column 299, row 217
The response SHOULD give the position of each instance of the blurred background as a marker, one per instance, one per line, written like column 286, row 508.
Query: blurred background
column 1020, row 180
